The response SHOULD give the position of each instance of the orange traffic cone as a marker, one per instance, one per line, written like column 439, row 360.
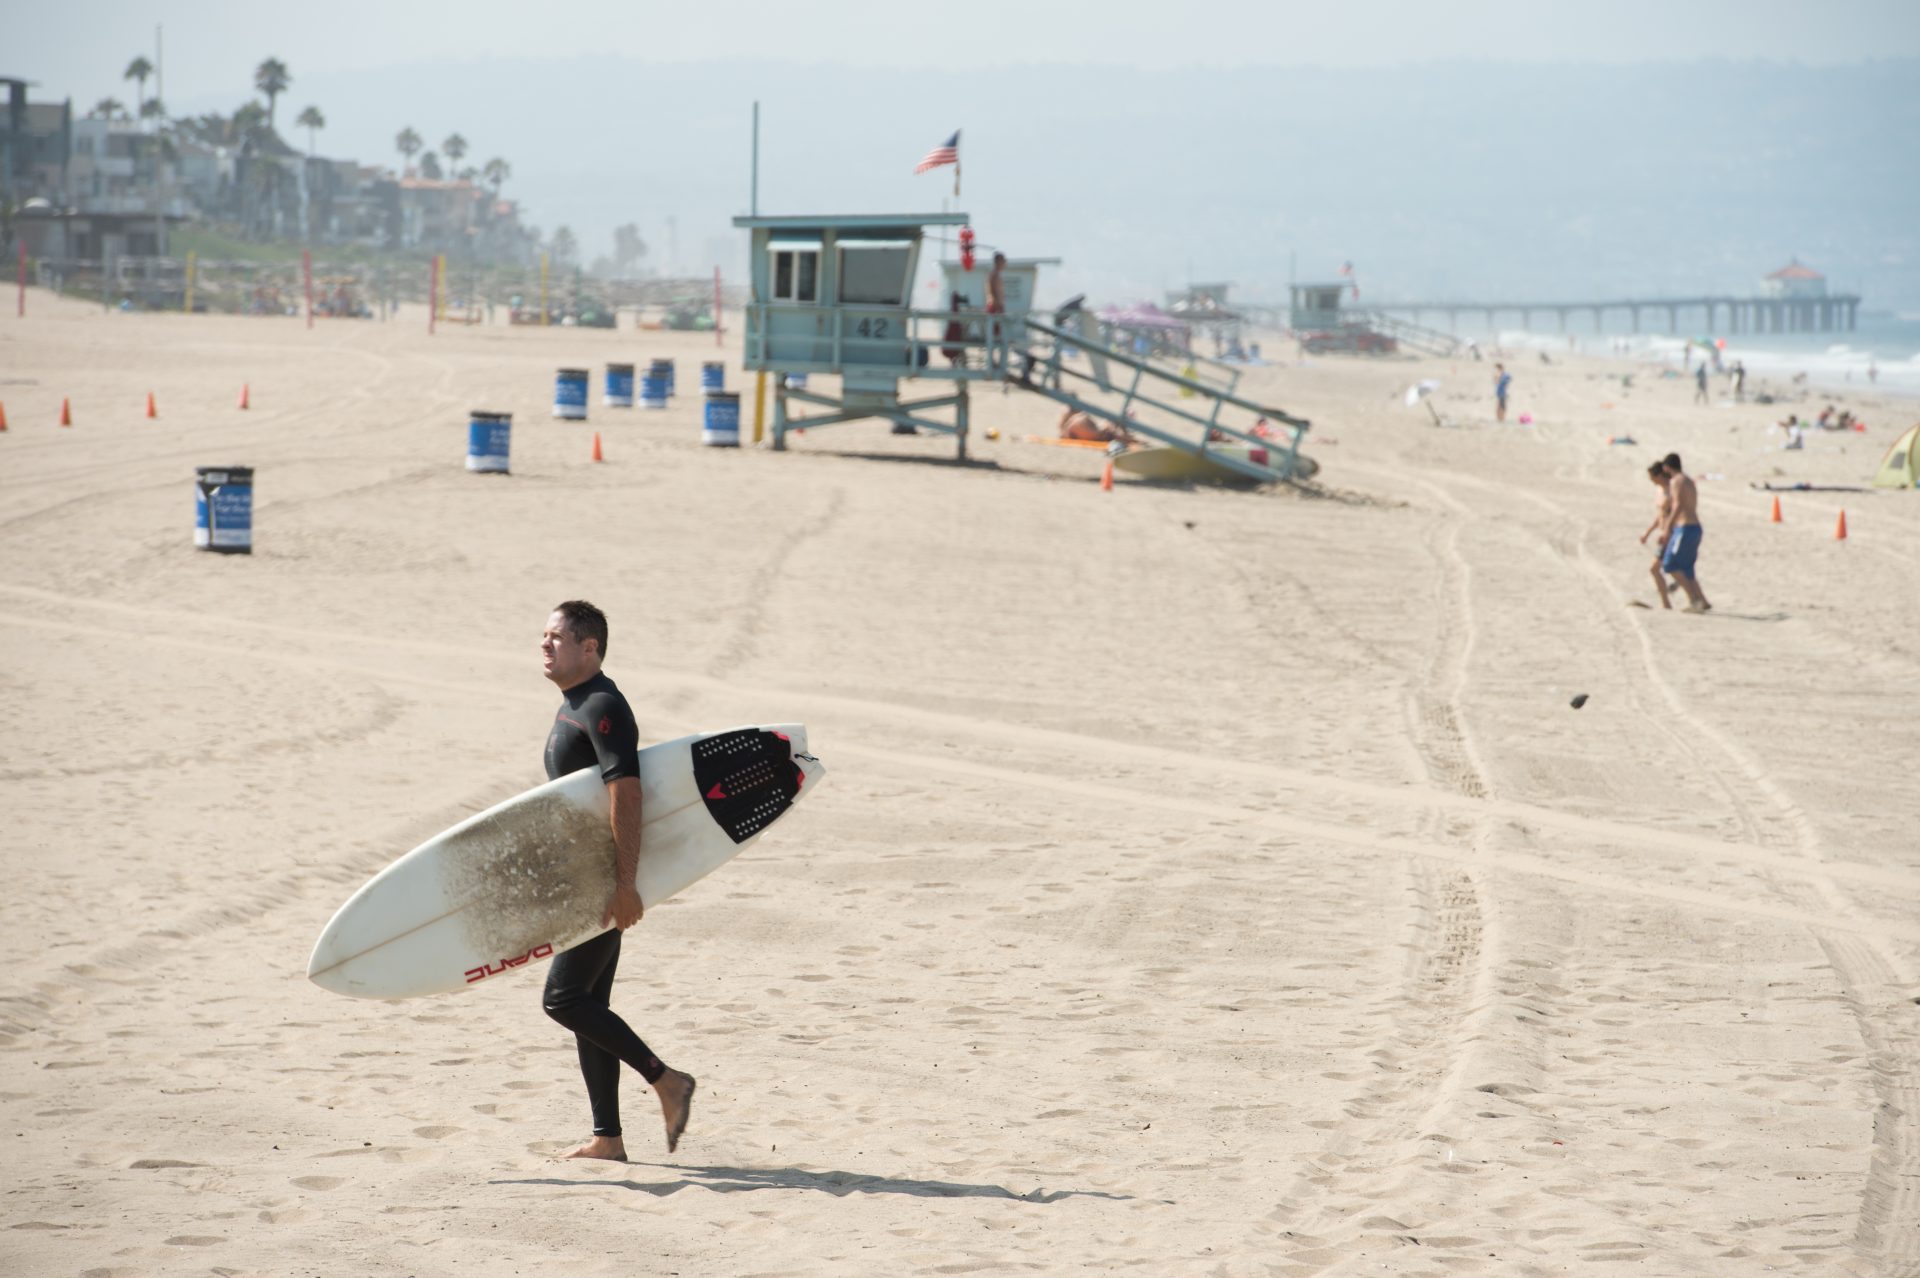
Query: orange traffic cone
column 1840, row 529
column 244, row 397
column 151, row 412
column 66, row 411
column 3, row 416
column 1106, row 477
column 1776, row 511
column 596, row 447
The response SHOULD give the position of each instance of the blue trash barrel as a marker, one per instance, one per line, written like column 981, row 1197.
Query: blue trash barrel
column 657, row 384
column 722, row 426
column 713, row 375
column 489, row 437
column 570, row 394
column 619, row 386
column 663, row 368
column 796, row 381
column 223, row 509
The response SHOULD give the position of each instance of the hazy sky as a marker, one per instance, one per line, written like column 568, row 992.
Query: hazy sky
column 79, row 49
column 1509, row 147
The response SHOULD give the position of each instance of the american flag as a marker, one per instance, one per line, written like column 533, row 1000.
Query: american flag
column 947, row 152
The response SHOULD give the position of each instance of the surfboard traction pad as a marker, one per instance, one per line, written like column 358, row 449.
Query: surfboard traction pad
column 747, row 778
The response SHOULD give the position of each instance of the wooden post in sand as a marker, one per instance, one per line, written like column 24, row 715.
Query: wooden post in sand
column 759, row 407
column 186, row 301
column 433, row 295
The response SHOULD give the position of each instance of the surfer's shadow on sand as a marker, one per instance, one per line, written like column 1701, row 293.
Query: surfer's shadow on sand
column 732, row 1180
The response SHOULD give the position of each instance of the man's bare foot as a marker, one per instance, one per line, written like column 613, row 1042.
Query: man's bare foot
column 676, row 1104
column 611, row 1148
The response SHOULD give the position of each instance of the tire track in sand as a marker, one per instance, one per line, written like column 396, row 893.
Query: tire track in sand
column 1873, row 982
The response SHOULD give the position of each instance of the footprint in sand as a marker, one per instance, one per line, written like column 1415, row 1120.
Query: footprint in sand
column 321, row 1183
column 434, row 1132
column 293, row 1217
column 194, row 1240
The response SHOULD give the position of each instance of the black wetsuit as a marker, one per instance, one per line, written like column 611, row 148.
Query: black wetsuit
column 594, row 728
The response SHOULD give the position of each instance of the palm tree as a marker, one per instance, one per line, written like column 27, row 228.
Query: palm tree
column 138, row 70
column 310, row 120
column 564, row 246
column 496, row 171
column 430, row 167
column 407, row 142
column 153, row 109
column 248, row 118
column 454, row 147
column 111, row 108
column 272, row 78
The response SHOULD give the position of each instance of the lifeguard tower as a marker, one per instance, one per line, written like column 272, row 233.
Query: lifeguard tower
column 833, row 296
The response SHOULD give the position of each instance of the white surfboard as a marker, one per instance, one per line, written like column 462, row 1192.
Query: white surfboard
column 531, row 877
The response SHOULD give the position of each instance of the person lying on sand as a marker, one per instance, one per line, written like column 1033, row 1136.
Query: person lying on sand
column 1075, row 424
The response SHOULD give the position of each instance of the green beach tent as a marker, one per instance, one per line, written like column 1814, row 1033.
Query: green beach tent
column 1900, row 468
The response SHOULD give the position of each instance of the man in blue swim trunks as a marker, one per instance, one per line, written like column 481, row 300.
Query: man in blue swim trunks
column 1683, row 534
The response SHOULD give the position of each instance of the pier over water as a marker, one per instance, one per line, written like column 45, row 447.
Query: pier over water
column 1837, row 312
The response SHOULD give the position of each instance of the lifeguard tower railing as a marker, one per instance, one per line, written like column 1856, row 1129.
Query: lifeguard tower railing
column 1150, row 397
column 1155, row 400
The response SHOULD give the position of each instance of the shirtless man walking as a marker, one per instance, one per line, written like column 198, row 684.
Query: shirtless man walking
column 1658, row 474
column 1682, row 533
column 594, row 728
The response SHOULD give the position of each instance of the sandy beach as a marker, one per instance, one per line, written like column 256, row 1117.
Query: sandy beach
column 1208, row 881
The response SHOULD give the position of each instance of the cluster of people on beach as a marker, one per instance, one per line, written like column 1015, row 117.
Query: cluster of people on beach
column 1829, row 419
column 1677, row 520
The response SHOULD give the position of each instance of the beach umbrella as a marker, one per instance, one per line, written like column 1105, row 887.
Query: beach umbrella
column 1420, row 390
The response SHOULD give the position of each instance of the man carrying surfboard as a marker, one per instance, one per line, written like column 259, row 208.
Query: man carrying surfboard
column 594, row 727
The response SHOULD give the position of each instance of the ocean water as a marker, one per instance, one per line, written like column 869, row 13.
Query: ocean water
column 1888, row 343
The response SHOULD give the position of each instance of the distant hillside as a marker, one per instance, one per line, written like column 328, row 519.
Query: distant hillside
column 1454, row 178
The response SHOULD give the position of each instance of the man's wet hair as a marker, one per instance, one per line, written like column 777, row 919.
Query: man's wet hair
column 584, row 622
column 1672, row 463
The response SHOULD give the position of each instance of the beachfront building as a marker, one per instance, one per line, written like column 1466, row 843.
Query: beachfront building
column 36, row 142
column 1794, row 282
column 93, row 189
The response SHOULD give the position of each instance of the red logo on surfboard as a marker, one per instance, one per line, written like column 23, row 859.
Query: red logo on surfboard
column 483, row 972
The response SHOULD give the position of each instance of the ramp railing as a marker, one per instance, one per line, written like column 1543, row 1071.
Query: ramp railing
column 1157, row 401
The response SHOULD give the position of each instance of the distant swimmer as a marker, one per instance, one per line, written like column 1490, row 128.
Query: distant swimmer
column 1683, row 534
column 594, row 727
column 1075, row 424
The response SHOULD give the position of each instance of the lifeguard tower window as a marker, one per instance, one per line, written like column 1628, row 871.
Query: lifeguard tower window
column 796, row 275
column 874, row 274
